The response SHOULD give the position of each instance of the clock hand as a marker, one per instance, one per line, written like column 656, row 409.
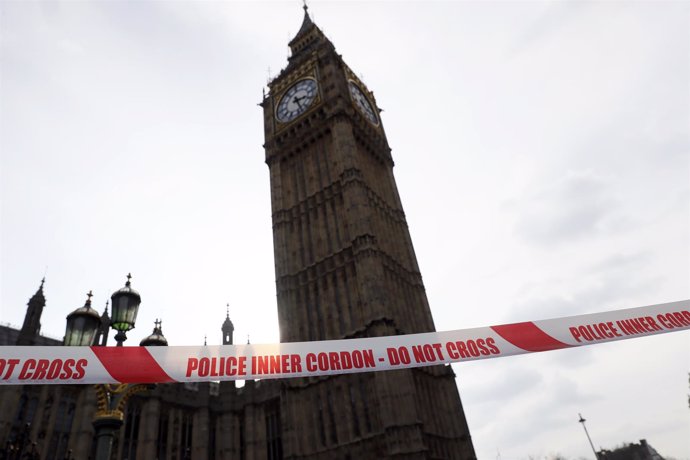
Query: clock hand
column 297, row 100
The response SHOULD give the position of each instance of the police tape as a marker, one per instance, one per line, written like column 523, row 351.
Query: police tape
column 89, row 365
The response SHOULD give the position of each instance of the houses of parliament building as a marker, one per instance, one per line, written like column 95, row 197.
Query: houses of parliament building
column 345, row 268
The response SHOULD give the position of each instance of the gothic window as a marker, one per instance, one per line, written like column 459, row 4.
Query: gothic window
column 214, row 389
column 213, row 422
column 31, row 410
column 353, row 408
column 131, row 430
column 274, row 445
column 47, row 412
column 162, row 442
column 331, row 418
column 243, row 447
column 20, row 416
column 322, row 429
column 25, row 414
column 186, row 436
column 62, row 428
column 365, row 404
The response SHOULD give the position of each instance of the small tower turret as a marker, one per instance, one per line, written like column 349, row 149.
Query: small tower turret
column 156, row 339
column 32, row 320
column 227, row 328
column 102, row 333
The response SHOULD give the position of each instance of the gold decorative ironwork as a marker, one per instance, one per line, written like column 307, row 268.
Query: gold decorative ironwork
column 111, row 399
column 281, row 83
column 351, row 76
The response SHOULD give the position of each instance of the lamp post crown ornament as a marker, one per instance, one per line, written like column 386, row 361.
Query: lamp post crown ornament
column 82, row 324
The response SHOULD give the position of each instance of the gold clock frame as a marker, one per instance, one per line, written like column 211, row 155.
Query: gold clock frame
column 314, row 103
column 351, row 77
column 280, row 86
column 364, row 91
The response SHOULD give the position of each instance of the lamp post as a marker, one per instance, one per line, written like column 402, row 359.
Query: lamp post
column 82, row 326
column 582, row 420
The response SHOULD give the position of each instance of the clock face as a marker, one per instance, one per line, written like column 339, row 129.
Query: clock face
column 296, row 100
column 362, row 103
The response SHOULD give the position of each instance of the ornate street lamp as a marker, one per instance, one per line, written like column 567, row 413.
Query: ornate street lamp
column 82, row 325
column 125, row 305
column 112, row 398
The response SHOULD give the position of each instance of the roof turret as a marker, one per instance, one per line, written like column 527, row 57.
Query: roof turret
column 227, row 324
column 227, row 328
column 39, row 297
column 156, row 339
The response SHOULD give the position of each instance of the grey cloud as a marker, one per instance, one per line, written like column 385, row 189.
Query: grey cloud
column 614, row 287
column 521, row 380
column 609, row 289
column 553, row 409
column 543, row 308
column 621, row 261
column 578, row 205
column 571, row 358
column 541, row 420
column 566, row 391
column 554, row 18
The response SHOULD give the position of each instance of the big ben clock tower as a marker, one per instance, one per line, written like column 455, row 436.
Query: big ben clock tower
column 346, row 268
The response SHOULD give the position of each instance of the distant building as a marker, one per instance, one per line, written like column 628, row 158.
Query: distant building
column 641, row 451
column 345, row 268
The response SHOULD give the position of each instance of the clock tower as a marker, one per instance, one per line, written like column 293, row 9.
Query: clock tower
column 346, row 268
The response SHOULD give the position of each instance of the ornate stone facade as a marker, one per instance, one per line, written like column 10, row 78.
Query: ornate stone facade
column 345, row 267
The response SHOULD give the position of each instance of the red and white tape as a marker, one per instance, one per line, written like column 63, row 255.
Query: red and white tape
column 56, row 365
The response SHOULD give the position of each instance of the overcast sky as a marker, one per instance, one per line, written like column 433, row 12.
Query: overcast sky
column 542, row 156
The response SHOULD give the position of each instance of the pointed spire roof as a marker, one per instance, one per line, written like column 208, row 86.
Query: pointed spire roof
column 308, row 36
column 31, row 327
column 39, row 297
column 105, row 312
column 227, row 324
column 306, row 22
